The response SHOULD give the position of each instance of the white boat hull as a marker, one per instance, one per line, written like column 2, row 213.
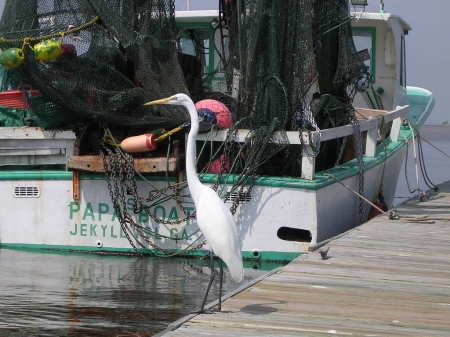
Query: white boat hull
column 53, row 220
column 283, row 217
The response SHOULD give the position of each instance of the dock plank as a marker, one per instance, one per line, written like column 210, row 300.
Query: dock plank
column 384, row 278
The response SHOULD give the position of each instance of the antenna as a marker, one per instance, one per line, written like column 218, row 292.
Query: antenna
column 381, row 6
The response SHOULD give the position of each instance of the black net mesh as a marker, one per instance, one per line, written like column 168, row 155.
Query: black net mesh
column 290, row 57
column 116, row 55
column 285, row 50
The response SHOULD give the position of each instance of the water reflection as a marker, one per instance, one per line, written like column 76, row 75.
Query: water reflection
column 85, row 295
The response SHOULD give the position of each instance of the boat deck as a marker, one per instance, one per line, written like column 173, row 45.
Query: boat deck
column 384, row 278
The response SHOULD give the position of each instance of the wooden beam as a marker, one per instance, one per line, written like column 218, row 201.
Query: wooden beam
column 363, row 114
column 143, row 165
column 76, row 186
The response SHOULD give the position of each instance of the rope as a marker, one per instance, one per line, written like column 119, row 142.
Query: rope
column 393, row 214
column 423, row 167
column 419, row 190
column 171, row 132
column 419, row 160
column 27, row 40
column 435, row 147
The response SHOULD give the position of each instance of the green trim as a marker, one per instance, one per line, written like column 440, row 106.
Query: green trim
column 193, row 25
column 421, row 102
column 212, row 54
column 211, row 50
column 415, row 91
column 63, row 175
column 251, row 257
column 35, row 175
column 373, row 32
column 341, row 172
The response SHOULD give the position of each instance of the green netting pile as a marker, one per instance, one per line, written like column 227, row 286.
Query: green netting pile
column 115, row 56
column 287, row 59
column 285, row 50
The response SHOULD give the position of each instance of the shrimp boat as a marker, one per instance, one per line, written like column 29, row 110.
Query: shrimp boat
column 55, row 198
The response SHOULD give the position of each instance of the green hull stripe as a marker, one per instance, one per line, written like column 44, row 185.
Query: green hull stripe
column 247, row 255
column 35, row 175
column 62, row 175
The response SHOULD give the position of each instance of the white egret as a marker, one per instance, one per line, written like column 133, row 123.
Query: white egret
column 213, row 218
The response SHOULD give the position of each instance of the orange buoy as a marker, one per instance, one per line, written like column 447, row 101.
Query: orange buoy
column 141, row 143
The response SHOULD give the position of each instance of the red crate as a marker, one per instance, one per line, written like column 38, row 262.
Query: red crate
column 16, row 98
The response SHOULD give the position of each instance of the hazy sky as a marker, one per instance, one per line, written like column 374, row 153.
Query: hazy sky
column 428, row 48
column 428, row 45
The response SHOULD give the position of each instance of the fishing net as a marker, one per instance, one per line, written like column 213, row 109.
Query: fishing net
column 115, row 56
column 287, row 59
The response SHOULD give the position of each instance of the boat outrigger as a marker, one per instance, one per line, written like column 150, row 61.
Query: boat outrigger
column 291, row 179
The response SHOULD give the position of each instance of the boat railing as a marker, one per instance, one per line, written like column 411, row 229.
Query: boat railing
column 371, row 122
column 21, row 146
column 34, row 146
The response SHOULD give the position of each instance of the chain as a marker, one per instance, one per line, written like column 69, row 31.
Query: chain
column 120, row 177
column 112, row 170
column 235, row 204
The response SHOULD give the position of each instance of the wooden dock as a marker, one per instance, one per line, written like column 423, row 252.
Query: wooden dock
column 385, row 278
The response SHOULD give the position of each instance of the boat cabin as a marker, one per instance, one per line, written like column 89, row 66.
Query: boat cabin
column 383, row 36
column 379, row 37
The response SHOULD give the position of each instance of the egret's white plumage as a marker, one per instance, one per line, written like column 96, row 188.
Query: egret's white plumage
column 213, row 218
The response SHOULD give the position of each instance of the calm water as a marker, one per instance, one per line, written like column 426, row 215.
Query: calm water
column 85, row 295
column 82, row 295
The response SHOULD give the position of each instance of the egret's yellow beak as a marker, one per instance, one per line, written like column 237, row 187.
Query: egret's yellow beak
column 159, row 101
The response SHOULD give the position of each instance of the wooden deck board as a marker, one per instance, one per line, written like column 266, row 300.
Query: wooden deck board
column 385, row 278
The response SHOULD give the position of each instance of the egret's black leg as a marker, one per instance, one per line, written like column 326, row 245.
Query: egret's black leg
column 220, row 285
column 211, row 279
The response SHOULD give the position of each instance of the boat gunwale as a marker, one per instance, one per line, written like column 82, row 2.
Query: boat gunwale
column 343, row 171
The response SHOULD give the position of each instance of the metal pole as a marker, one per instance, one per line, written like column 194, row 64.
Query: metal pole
column 188, row 5
column 381, row 6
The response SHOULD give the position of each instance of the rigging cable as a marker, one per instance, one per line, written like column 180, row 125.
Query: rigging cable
column 419, row 159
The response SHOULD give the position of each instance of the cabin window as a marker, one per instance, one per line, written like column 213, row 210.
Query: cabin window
column 187, row 46
column 200, row 39
column 196, row 42
column 403, row 62
column 365, row 43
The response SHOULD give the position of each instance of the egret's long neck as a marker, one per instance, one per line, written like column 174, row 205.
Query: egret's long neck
column 191, row 152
